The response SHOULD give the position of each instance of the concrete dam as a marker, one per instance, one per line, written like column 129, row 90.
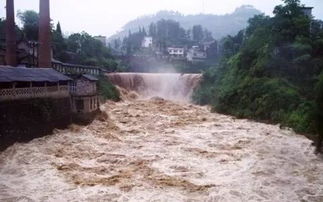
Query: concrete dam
column 170, row 86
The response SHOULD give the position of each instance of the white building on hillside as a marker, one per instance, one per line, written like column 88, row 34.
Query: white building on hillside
column 196, row 55
column 307, row 11
column 147, row 42
column 176, row 52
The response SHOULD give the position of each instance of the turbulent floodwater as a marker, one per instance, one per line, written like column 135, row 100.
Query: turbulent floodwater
column 156, row 150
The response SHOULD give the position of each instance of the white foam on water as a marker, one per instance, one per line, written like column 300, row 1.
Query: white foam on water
column 170, row 86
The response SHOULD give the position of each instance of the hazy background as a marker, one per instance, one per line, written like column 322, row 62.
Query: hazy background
column 105, row 17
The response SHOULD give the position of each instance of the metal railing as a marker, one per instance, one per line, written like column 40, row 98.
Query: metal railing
column 34, row 92
column 76, row 69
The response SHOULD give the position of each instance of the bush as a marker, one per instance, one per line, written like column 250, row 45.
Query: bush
column 302, row 119
column 272, row 75
column 107, row 90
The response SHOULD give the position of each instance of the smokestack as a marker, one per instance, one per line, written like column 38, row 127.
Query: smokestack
column 44, row 56
column 11, row 43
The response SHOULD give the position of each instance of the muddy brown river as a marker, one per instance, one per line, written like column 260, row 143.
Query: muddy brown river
column 158, row 150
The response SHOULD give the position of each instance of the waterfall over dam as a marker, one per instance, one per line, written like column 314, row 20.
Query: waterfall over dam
column 170, row 86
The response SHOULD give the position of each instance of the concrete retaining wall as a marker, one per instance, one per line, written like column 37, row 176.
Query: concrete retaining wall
column 23, row 120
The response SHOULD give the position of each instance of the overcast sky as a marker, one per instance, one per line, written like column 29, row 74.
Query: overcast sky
column 105, row 17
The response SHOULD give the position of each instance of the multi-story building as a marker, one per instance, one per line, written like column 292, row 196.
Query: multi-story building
column 147, row 42
column 195, row 54
column 307, row 11
column 84, row 94
column 176, row 52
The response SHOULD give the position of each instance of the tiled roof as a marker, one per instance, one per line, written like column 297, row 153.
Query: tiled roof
column 90, row 77
column 12, row 74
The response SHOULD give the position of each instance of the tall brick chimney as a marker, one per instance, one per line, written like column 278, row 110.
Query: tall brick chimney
column 44, row 56
column 11, row 42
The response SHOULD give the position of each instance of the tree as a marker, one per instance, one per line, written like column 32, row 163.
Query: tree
column 268, row 72
column 169, row 33
column 189, row 34
column 212, row 51
column 232, row 44
column 117, row 44
column 59, row 30
column 133, row 42
column 289, row 21
column 59, row 44
column 144, row 31
column 165, row 33
column 152, row 30
column 88, row 51
column 30, row 24
column 197, row 32
column 207, row 35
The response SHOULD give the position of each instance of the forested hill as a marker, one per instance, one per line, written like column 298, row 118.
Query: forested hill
column 219, row 25
column 272, row 71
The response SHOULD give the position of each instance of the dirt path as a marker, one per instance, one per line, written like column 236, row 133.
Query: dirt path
column 161, row 151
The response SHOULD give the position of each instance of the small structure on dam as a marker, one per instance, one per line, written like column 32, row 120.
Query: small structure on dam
column 84, row 96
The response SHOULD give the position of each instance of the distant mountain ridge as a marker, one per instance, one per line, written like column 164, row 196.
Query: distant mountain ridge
column 219, row 25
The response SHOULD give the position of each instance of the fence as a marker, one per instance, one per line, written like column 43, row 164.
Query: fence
column 76, row 69
column 34, row 92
